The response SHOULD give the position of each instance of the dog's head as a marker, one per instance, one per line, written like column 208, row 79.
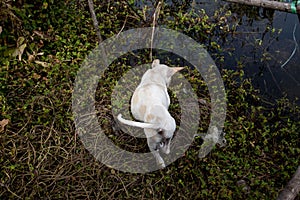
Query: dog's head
column 165, row 71
column 166, row 135
column 165, row 142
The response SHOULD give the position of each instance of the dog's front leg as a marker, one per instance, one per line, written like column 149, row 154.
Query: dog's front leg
column 153, row 143
column 158, row 158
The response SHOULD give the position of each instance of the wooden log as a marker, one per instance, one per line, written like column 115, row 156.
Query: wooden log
column 276, row 5
column 292, row 189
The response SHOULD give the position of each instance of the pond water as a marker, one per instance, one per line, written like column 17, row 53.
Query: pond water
column 268, row 58
column 263, row 43
column 266, row 54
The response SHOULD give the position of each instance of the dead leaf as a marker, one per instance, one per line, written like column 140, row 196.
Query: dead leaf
column 202, row 101
column 36, row 76
column 44, row 64
column 0, row 29
column 20, row 48
column 3, row 123
column 19, row 51
column 38, row 34
column 20, row 41
column 30, row 58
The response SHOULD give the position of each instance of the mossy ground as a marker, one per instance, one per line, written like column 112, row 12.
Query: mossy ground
column 41, row 155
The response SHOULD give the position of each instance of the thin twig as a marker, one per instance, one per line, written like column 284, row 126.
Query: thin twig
column 273, row 77
column 292, row 77
column 95, row 22
column 134, row 11
column 123, row 26
column 155, row 17
column 96, row 26
column 14, row 194
column 296, row 45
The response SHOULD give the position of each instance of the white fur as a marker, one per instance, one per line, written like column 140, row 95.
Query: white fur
column 150, row 103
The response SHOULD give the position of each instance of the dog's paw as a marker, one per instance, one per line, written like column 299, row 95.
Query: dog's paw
column 162, row 165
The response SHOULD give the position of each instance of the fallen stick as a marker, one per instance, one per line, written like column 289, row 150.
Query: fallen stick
column 95, row 21
column 276, row 5
column 96, row 26
column 292, row 189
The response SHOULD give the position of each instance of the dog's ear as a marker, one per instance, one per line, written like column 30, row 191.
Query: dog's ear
column 173, row 70
column 177, row 69
column 155, row 63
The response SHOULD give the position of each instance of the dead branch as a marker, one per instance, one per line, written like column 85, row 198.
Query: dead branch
column 96, row 26
column 276, row 5
column 155, row 17
column 95, row 22
column 292, row 188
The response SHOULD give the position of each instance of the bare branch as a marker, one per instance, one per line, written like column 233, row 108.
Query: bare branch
column 96, row 26
column 95, row 22
column 155, row 17
column 292, row 189
column 276, row 5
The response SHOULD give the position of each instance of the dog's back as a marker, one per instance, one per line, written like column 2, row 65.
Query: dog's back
column 149, row 104
column 147, row 96
column 152, row 91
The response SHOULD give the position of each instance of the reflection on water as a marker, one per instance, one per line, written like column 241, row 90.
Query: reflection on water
column 264, row 51
column 263, row 42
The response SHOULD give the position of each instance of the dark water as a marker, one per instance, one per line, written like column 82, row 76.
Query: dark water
column 268, row 56
column 263, row 42
column 262, row 49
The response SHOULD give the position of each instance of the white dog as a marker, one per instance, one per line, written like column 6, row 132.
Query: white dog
column 150, row 103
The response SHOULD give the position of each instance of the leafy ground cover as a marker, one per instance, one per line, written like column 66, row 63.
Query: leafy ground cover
column 43, row 44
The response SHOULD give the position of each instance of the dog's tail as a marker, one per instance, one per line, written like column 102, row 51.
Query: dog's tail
column 137, row 124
